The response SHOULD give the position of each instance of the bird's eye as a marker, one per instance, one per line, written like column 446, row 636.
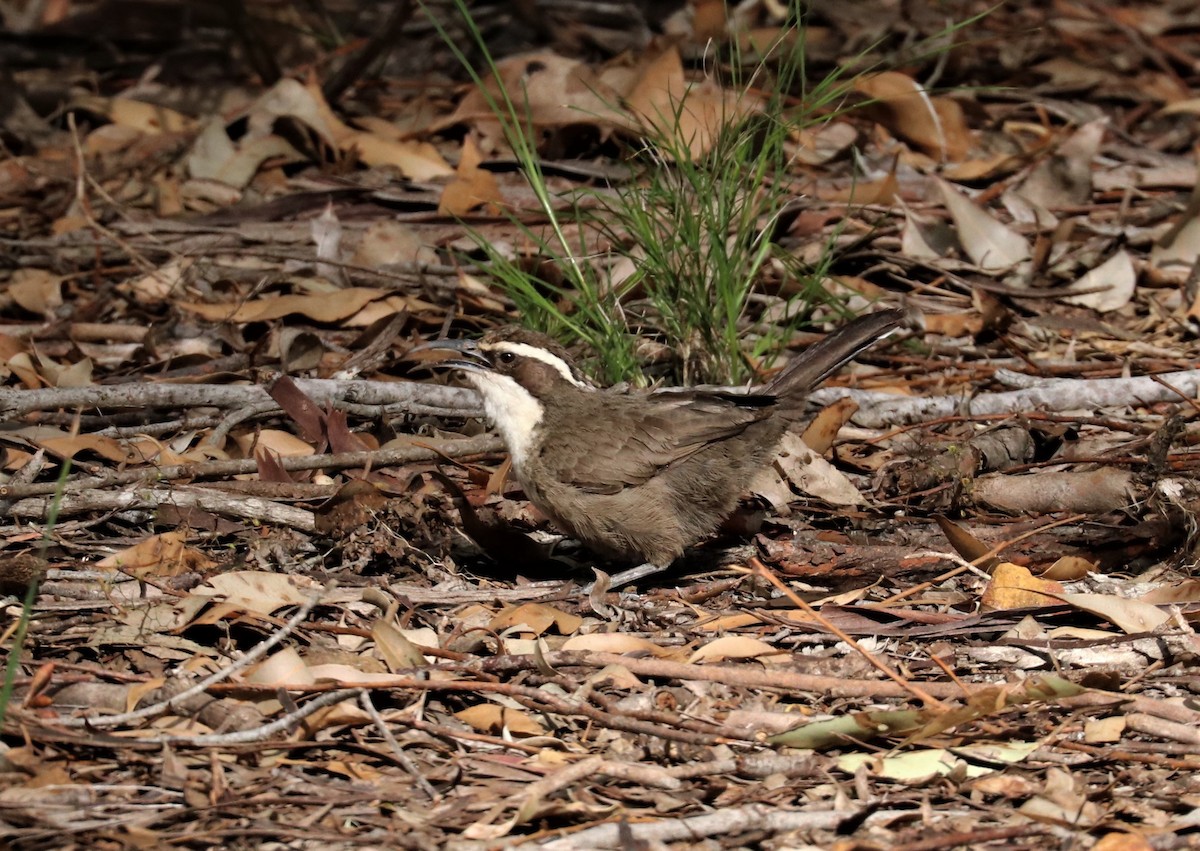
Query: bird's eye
column 506, row 357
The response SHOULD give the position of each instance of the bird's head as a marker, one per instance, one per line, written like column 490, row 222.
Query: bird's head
column 516, row 372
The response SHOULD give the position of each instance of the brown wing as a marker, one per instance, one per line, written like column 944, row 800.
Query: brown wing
column 627, row 440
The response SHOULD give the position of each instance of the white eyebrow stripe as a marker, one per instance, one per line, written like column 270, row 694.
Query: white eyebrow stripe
column 528, row 351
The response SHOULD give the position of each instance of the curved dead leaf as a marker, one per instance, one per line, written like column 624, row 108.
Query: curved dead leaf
column 490, row 718
column 1130, row 616
column 1014, row 587
column 738, row 647
column 937, row 126
column 329, row 307
column 1107, row 287
column 257, row 590
column 990, row 245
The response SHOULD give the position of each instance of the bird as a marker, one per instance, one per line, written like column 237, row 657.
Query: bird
column 637, row 475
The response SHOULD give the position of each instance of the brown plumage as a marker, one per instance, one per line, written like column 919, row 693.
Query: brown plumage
column 641, row 475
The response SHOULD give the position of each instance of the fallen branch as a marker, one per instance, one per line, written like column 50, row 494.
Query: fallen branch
column 422, row 449
column 756, row 818
column 727, row 674
column 880, row 410
column 417, row 398
column 240, row 507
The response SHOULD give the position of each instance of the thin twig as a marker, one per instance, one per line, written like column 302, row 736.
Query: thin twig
column 422, row 449
column 912, row 688
column 424, row 785
column 266, row 731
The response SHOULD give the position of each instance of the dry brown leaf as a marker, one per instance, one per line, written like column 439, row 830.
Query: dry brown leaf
column 1064, row 178
column 304, row 102
column 966, row 544
column 811, row 474
column 936, row 126
column 282, row 443
column 472, row 186
column 1184, row 592
column 738, row 647
column 829, row 140
column 1104, row 730
column 1014, row 587
column 257, row 591
column 1069, row 569
column 549, row 89
column 1130, row 616
column 214, row 156
column 1123, row 840
column 387, row 242
column 490, row 718
column 954, row 325
column 1177, row 258
column 117, row 451
column 615, row 642
column 329, row 307
column 144, row 117
column 537, row 618
column 1063, row 800
column 384, row 308
column 991, row 167
column 159, row 555
column 395, row 647
column 685, row 116
column 21, row 365
column 286, row 667
column 37, row 290
column 823, row 430
column 861, row 193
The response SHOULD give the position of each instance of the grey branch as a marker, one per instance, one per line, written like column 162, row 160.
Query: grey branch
column 725, row 822
column 241, row 507
column 881, row 410
column 413, row 396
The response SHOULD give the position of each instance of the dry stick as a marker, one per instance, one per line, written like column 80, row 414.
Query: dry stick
column 216, row 437
column 422, row 450
column 727, row 675
column 882, row 410
column 949, row 672
column 725, row 822
column 975, row 838
column 983, row 559
column 1187, row 399
column 364, row 698
column 266, row 731
column 418, row 398
column 252, row 655
column 82, row 179
column 532, row 698
column 913, row 689
column 142, row 499
column 639, row 774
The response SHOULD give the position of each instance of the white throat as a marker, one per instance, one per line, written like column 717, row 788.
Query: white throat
column 513, row 409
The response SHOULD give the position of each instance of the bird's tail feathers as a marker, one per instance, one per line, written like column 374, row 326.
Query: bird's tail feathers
column 824, row 358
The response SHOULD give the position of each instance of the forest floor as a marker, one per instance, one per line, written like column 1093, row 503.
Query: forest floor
column 244, row 613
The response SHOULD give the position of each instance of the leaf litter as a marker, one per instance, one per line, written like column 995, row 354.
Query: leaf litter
column 288, row 594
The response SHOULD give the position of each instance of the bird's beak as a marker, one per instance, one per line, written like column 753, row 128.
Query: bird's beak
column 450, row 354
